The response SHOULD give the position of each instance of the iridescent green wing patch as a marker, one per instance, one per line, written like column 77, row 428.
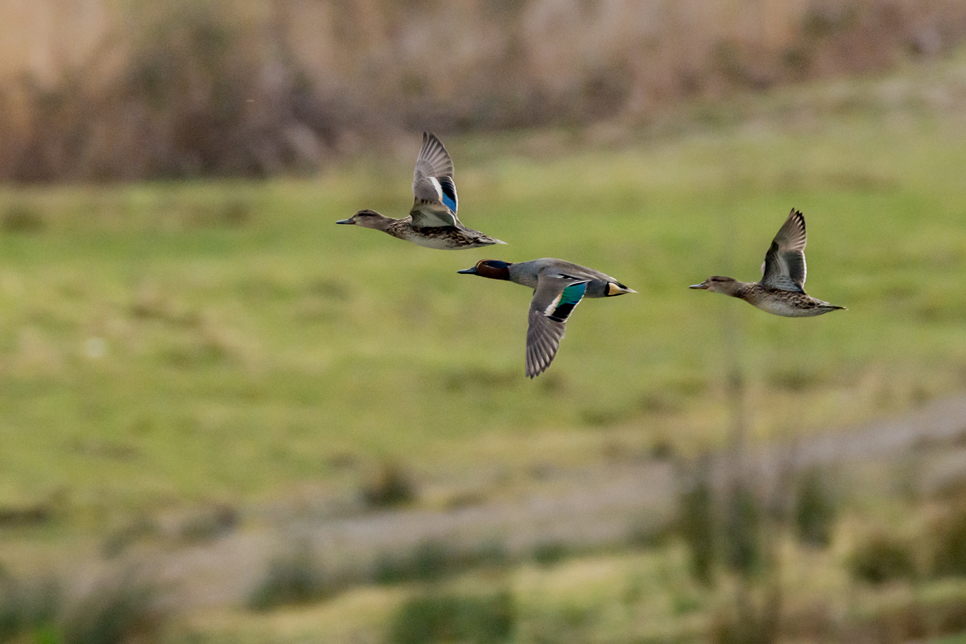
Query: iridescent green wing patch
column 570, row 297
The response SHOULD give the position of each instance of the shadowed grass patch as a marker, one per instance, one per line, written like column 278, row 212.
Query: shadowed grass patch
column 294, row 576
column 441, row 616
column 815, row 509
column 113, row 608
column 435, row 560
column 881, row 557
column 388, row 484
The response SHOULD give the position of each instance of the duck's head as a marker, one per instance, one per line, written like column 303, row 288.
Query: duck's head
column 366, row 219
column 719, row 284
column 616, row 288
column 492, row 268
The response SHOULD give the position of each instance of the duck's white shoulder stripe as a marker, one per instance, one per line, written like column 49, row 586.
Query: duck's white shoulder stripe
column 438, row 186
column 553, row 305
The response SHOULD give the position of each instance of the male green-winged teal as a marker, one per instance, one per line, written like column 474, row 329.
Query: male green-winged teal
column 781, row 290
column 558, row 287
column 432, row 222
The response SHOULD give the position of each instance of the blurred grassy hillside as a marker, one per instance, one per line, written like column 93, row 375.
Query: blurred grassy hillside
column 166, row 343
column 117, row 89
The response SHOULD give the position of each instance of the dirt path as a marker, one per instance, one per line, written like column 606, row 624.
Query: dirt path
column 585, row 508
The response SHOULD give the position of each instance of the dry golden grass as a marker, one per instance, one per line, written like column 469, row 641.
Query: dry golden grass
column 105, row 89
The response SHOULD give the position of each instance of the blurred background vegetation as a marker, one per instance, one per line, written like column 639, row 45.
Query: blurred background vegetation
column 225, row 419
column 133, row 89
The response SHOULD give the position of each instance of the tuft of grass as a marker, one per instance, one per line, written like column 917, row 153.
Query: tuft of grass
column 882, row 557
column 388, row 485
column 434, row 560
column 918, row 619
column 948, row 537
column 550, row 553
column 815, row 511
column 696, row 521
column 117, row 541
column 751, row 621
column 742, row 539
column 26, row 515
column 28, row 609
column 295, row 576
column 209, row 523
column 22, row 218
column 119, row 608
column 440, row 616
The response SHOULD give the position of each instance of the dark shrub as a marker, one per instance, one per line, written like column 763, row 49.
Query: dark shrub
column 549, row 553
column 752, row 617
column 949, row 544
column 294, row 577
column 881, row 558
column 814, row 511
column 448, row 617
column 389, row 485
column 743, row 545
column 696, row 518
column 433, row 560
column 20, row 218
column 120, row 608
column 27, row 607
column 209, row 523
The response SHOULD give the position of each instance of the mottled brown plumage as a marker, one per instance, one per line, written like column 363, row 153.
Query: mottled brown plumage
column 432, row 221
column 781, row 290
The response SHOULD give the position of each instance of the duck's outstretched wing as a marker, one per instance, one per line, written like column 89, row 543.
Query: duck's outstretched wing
column 784, row 266
column 434, row 191
column 553, row 301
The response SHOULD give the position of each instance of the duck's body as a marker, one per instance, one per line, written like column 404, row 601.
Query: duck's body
column 558, row 286
column 432, row 222
column 455, row 237
column 598, row 284
column 781, row 290
column 789, row 304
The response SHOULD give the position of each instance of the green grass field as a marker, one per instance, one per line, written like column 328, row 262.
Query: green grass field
column 168, row 343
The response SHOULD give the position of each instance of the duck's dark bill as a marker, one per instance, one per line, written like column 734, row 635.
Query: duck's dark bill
column 701, row 285
column 346, row 221
column 468, row 271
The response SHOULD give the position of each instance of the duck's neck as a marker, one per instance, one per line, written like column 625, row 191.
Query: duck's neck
column 401, row 228
column 748, row 291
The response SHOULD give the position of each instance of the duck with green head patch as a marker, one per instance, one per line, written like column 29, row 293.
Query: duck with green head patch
column 781, row 290
column 432, row 221
column 558, row 287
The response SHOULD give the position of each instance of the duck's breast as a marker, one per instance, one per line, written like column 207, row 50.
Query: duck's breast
column 799, row 307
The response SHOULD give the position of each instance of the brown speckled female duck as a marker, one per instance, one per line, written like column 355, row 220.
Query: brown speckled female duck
column 781, row 290
column 432, row 222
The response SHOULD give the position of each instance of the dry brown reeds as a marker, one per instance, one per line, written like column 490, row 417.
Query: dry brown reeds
column 117, row 89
